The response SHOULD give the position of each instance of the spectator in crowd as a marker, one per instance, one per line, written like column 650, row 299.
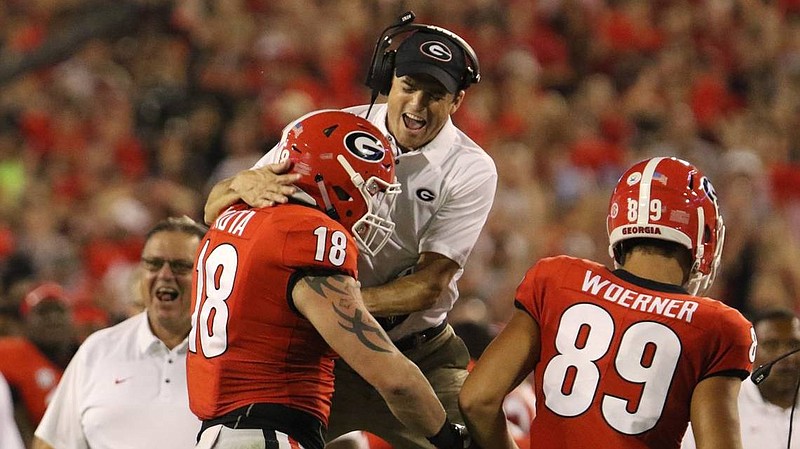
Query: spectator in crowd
column 766, row 410
column 9, row 433
column 625, row 358
column 448, row 188
column 126, row 385
column 275, row 296
column 34, row 362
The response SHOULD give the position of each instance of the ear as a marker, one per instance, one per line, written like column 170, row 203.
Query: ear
column 457, row 100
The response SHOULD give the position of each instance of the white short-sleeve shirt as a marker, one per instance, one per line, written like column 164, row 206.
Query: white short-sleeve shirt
column 448, row 189
column 764, row 425
column 123, row 389
column 9, row 433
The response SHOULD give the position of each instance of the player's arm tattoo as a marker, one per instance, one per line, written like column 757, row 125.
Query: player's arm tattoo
column 352, row 319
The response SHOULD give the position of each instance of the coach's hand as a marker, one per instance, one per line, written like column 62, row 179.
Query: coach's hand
column 265, row 186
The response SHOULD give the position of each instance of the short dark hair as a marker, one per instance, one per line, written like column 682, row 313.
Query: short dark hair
column 654, row 246
column 180, row 224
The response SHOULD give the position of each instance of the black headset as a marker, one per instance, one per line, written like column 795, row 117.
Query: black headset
column 381, row 70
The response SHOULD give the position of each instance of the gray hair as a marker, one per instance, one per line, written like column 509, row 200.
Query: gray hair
column 179, row 224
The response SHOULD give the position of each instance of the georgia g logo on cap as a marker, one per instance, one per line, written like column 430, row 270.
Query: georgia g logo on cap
column 364, row 146
column 436, row 50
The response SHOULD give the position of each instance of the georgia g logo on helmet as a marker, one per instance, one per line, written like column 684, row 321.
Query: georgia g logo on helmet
column 364, row 146
column 436, row 50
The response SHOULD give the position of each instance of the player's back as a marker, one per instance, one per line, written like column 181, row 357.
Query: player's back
column 621, row 355
column 248, row 343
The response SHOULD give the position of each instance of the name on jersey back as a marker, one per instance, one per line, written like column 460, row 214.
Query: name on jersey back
column 234, row 221
column 595, row 285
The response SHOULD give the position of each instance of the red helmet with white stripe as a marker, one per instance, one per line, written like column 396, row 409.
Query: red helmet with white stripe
column 347, row 168
column 669, row 199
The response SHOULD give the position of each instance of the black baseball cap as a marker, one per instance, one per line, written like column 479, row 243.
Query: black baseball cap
column 432, row 54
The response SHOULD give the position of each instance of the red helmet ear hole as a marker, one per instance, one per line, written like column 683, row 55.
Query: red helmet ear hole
column 706, row 234
column 341, row 194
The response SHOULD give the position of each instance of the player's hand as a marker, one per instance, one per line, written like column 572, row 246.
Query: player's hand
column 265, row 186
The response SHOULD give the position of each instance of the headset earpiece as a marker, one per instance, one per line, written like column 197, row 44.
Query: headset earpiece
column 385, row 74
column 377, row 67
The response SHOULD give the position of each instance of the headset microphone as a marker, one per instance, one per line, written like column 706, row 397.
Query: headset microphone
column 404, row 19
column 761, row 373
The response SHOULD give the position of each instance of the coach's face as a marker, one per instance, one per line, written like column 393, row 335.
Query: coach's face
column 166, row 282
column 418, row 107
column 776, row 337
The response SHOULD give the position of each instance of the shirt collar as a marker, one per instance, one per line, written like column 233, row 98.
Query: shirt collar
column 752, row 394
column 146, row 340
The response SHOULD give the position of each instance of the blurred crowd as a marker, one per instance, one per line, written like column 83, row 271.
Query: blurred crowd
column 114, row 115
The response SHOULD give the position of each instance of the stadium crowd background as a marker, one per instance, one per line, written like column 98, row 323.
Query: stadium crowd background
column 114, row 115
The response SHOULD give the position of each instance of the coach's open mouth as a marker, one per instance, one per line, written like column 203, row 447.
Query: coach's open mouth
column 413, row 122
column 167, row 294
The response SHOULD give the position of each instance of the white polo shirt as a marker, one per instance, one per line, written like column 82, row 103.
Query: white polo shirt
column 448, row 189
column 123, row 389
column 764, row 425
column 9, row 433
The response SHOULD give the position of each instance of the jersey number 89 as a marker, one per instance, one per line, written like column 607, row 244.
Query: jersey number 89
column 648, row 354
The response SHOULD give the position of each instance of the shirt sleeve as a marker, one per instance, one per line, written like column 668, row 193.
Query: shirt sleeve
column 270, row 157
column 527, row 294
column 61, row 425
column 324, row 246
column 735, row 350
column 457, row 224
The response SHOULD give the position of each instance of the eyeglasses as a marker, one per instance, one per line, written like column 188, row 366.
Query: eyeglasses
column 178, row 266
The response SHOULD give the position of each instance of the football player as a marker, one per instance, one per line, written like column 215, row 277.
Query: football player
column 276, row 299
column 625, row 358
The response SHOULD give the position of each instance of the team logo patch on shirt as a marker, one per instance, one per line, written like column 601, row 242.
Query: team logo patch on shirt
column 364, row 146
column 425, row 195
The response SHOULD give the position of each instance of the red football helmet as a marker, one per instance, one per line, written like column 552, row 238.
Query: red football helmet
column 348, row 172
column 669, row 199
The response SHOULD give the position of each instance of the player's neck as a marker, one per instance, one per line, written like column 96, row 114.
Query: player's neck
column 654, row 267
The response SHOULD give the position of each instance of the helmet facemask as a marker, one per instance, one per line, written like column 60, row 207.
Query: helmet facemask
column 699, row 283
column 373, row 230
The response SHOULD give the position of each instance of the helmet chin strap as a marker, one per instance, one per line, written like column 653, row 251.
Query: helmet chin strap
column 329, row 209
column 355, row 177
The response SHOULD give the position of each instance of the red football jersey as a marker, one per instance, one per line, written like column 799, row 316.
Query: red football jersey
column 621, row 356
column 248, row 343
column 30, row 373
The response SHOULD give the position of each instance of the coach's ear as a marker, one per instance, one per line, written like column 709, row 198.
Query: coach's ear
column 457, row 100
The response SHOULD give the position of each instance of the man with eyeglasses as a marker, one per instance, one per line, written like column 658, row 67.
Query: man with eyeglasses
column 126, row 385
